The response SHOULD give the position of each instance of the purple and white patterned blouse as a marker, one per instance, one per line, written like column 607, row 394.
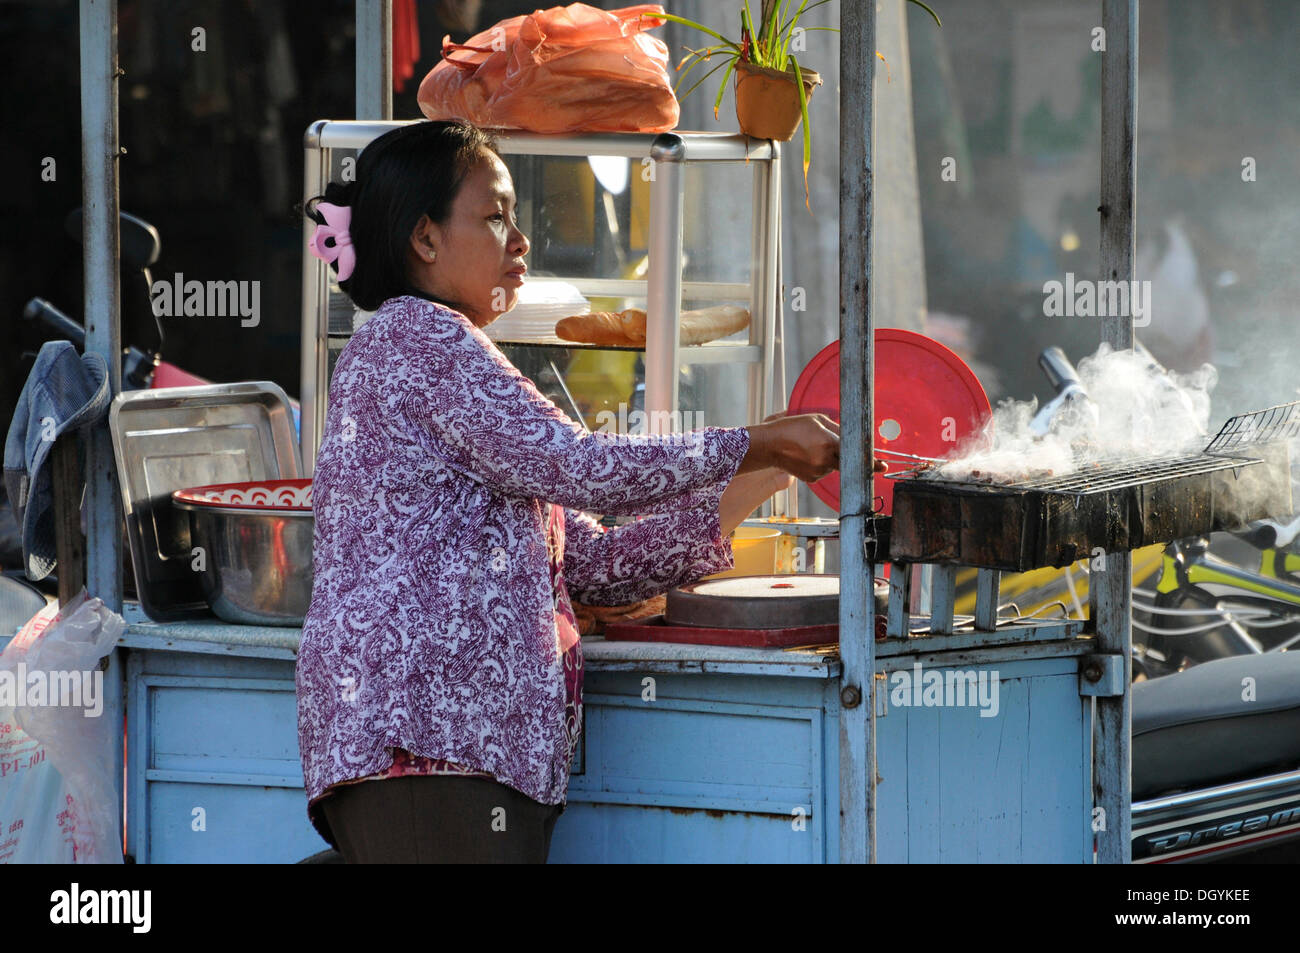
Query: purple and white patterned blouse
column 433, row 619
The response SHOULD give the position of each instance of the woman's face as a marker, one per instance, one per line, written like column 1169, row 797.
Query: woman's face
column 475, row 260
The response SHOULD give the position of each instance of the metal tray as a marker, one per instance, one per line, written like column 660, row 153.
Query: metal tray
column 178, row 437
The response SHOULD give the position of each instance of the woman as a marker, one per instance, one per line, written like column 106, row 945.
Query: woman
column 440, row 654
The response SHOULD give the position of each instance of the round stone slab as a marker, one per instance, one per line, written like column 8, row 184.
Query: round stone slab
column 756, row 602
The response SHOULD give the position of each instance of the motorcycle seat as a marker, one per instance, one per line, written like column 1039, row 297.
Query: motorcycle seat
column 1208, row 725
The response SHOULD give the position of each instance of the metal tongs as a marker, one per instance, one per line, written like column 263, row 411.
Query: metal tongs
column 920, row 464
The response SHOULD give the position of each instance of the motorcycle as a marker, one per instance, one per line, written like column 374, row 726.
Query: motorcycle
column 1216, row 762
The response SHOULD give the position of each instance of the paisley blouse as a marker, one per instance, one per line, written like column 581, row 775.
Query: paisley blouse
column 451, row 505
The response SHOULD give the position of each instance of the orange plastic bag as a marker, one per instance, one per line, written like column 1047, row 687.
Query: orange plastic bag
column 564, row 69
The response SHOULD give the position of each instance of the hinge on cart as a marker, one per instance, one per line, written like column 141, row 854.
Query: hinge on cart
column 882, row 695
column 1102, row 676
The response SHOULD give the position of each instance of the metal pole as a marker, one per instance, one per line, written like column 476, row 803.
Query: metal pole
column 374, row 59
column 664, row 287
column 314, row 358
column 857, row 604
column 374, row 100
column 772, row 304
column 101, row 272
column 1110, row 590
column 761, row 229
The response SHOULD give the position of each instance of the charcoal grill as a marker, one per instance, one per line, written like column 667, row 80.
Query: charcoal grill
column 1109, row 505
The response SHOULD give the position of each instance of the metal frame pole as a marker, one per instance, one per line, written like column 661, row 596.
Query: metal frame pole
column 1110, row 590
column 857, row 603
column 765, row 299
column 374, row 59
column 664, row 288
column 101, row 270
column 374, row 100
column 314, row 354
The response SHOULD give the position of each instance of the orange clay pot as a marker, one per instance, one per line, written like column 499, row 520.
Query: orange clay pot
column 767, row 100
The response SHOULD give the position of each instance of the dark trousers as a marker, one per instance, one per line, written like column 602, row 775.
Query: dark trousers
column 439, row 820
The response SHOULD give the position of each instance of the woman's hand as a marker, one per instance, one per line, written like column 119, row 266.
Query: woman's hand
column 805, row 445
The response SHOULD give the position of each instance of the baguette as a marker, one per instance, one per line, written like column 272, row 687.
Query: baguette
column 613, row 328
column 627, row 328
column 710, row 324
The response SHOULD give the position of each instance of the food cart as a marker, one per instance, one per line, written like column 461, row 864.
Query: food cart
column 690, row 752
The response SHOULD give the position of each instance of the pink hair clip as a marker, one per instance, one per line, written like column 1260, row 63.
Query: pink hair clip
column 338, row 219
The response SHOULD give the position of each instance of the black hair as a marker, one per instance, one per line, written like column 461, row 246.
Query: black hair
column 411, row 171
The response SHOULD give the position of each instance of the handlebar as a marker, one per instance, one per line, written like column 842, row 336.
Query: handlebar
column 137, row 366
column 1269, row 533
column 38, row 309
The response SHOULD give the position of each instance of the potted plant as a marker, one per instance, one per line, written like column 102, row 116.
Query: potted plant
column 772, row 89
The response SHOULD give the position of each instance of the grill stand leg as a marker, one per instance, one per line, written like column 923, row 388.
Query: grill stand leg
column 986, row 599
column 1110, row 594
column 943, row 597
column 900, row 597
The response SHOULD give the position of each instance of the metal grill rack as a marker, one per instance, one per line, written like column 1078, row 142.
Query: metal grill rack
column 1102, row 478
column 1102, row 475
column 1281, row 422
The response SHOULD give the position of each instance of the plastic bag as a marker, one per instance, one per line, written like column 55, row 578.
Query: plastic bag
column 564, row 69
column 58, row 802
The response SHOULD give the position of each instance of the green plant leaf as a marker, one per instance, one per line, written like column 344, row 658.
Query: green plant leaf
column 722, row 87
column 706, row 76
column 803, row 8
column 694, row 58
column 770, row 23
column 807, row 131
column 785, row 52
column 695, row 26
column 924, row 7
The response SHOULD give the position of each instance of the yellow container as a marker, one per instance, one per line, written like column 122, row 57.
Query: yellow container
column 755, row 552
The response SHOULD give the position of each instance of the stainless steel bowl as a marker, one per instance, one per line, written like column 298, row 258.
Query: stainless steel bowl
column 256, row 567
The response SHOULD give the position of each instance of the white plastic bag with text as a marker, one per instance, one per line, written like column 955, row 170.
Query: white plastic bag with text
column 58, row 801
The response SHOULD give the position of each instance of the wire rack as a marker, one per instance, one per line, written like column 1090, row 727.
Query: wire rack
column 1261, row 426
column 1103, row 475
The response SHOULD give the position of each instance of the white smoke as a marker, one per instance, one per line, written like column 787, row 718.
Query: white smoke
column 1141, row 412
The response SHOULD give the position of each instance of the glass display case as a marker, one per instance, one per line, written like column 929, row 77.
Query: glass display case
column 666, row 223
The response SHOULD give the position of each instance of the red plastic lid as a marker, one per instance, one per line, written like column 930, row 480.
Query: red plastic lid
column 927, row 400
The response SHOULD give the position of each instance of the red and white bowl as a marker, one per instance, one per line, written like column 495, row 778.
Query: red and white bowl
column 255, row 540
column 256, row 494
